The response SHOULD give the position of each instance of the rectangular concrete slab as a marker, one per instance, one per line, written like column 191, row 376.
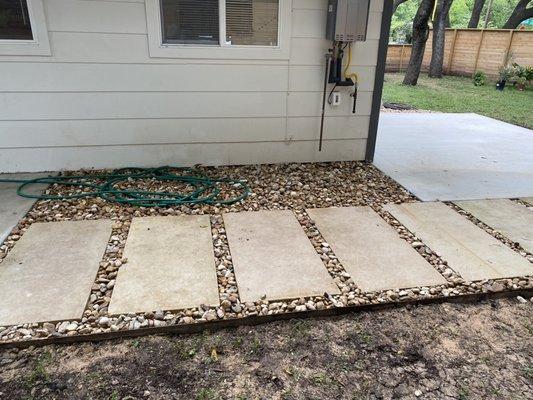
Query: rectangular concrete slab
column 170, row 266
column 273, row 257
column 371, row 251
column 469, row 250
column 49, row 273
column 513, row 220
column 12, row 206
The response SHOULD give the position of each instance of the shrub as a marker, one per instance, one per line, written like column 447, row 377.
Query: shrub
column 529, row 73
column 506, row 72
column 480, row 78
column 521, row 75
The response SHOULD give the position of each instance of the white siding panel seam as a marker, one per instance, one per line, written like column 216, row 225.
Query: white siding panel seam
column 150, row 91
column 265, row 63
column 99, row 32
column 182, row 143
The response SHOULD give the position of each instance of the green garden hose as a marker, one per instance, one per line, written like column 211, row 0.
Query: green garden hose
column 204, row 190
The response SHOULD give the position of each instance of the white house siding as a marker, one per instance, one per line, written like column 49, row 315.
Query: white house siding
column 100, row 101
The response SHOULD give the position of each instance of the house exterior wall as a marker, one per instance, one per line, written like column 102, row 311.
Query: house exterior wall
column 101, row 101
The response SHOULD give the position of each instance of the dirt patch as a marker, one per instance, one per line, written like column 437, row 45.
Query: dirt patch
column 448, row 351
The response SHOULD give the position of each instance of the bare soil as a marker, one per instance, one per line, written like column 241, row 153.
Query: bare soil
column 447, row 351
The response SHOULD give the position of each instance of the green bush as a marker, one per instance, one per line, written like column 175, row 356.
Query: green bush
column 521, row 76
column 506, row 72
column 480, row 79
column 529, row 73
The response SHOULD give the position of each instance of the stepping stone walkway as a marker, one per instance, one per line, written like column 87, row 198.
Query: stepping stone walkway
column 513, row 220
column 371, row 251
column 469, row 250
column 273, row 257
column 170, row 266
column 49, row 273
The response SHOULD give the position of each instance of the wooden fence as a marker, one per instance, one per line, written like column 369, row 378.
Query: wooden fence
column 469, row 50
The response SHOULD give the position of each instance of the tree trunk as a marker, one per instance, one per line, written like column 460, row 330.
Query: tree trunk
column 447, row 23
column 520, row 13
column 439, row 36
column 420, row 36
column 476, row 13
column 396, row 3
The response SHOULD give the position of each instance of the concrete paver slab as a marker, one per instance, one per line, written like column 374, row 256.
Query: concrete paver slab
column 49, row 273
column 443, row 156
column 513, row 220
column 12, row 206
column 528, row 200
column 371, row 250
column 273, row 257
column 171, row 266
column 469, row 250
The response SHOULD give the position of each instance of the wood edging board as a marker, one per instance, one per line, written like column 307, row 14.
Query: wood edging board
column 261, row 319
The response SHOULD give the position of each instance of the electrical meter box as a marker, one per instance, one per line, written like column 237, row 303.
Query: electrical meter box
column 347, row 20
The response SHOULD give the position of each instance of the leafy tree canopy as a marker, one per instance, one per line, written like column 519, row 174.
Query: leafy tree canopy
column 402, row 20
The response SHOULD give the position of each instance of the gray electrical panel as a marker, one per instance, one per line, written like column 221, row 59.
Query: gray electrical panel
column 347, row 20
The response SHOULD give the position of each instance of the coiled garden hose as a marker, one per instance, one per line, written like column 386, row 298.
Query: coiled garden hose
column 205, row 190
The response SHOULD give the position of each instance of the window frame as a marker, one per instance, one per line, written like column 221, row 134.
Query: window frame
column 223, row 50
column 40, row 45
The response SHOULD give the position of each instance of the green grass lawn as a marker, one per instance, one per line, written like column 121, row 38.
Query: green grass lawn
column 457, row 94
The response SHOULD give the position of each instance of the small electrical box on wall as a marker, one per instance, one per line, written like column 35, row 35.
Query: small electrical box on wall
column 347, row 20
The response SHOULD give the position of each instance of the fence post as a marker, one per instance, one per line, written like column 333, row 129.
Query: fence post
column 508, row 49
column 478, row 51
column 452, row 50
column 401, row 58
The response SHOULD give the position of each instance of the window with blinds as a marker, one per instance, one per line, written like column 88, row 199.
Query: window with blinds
column 190, row 21
column 248, row 22
column 252, row 22
column 15, row 20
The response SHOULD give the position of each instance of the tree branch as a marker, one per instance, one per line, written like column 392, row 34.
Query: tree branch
column 519, row 14
column 396, row 4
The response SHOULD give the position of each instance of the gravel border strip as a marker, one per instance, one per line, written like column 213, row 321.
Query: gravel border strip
column 522, row 202
column 262, row 319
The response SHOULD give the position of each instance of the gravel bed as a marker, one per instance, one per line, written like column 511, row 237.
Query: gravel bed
column 273, row 187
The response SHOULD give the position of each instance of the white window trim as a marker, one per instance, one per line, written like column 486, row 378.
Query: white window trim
column 158, row 49
column 40, row 45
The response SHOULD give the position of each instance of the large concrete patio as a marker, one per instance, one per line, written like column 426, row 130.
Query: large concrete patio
column 440, row 156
